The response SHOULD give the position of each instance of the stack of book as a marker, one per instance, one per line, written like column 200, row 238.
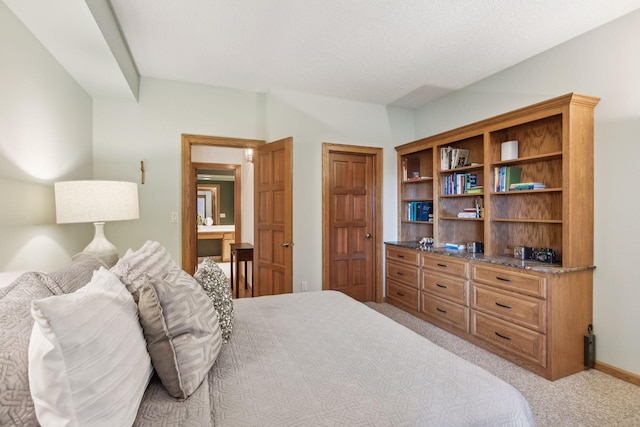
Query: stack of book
column 420, row 211
column 504, row 176
column 478, row 189
column 451, row 158
column 526, row 186
column 468, row 213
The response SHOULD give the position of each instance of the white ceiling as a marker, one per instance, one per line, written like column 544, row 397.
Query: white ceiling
column 390, row 52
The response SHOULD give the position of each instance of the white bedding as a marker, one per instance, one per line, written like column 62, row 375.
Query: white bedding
column 322, row 358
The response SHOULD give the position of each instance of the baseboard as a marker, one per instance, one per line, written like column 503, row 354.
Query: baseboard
column 618, row 373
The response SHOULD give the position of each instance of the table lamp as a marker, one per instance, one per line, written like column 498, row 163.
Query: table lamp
column 97, row 202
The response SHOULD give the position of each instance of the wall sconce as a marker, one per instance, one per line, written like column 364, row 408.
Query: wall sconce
column 248, row 155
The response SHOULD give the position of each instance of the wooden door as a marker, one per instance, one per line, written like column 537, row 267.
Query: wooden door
column 273, row 237
column 351, row 224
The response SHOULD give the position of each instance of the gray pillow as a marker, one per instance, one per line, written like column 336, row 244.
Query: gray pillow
column 152, row 260
column 181, row 329
column 77, row 274
column 216, row 285
column 16, row 404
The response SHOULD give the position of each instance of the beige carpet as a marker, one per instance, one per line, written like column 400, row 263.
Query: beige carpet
column 589, row 398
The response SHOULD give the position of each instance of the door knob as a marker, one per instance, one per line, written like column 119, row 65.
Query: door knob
column 368, row 235
column 287, row 244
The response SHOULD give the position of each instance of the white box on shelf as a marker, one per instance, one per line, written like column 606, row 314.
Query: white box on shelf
column 509, row 150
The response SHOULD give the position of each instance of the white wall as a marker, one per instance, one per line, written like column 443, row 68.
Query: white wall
column 312, row 120
column 45, row 118
column 126, row 133
column 603, row 63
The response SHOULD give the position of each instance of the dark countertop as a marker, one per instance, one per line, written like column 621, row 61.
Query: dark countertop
column 504, row 260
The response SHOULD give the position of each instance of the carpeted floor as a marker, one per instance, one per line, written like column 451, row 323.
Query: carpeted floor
column 589, row 398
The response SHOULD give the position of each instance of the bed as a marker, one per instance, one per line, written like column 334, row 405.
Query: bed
column 322, row 358
column 309, row 358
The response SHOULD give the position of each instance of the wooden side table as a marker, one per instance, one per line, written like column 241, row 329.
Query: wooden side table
column 240, row 252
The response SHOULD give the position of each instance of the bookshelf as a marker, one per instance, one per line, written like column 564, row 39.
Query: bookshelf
column 416, row 188
column 555, row 148
column 527, row 311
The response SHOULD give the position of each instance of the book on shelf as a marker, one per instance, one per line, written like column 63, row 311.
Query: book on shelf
column 478, row 189
column 426, row 209
column 459, row 157
column 527, row 186
column 473, row 214
column 420, row 211
column 451, row 158
column 456, row 246
column 445, row 162
column 504, row 176
column 459, row 183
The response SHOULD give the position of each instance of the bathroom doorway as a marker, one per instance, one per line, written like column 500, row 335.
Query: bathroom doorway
column 195, row 157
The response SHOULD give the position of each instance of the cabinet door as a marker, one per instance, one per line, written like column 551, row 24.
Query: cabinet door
column 405, row 274
column 516, row 340
column 505, row 278
column 448, row 287
column 403, row 295
column 522, row 310
column 443, row 311
column 445, row 264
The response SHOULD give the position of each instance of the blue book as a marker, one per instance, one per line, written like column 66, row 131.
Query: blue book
column 426, row 209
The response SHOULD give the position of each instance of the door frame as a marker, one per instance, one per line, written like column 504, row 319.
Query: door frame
column 376, row 152
column 189, row 236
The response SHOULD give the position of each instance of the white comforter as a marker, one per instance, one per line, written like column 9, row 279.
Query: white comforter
column 322, row 358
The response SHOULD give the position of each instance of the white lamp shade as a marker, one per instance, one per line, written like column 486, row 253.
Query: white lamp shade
column 95, row 201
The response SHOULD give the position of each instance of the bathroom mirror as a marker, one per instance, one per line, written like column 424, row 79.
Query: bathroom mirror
column 208, row 204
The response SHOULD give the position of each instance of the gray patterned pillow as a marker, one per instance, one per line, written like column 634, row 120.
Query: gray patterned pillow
column 181, row 329
column 77, row 274
column 152, row 260
column 216, row 285
column 16, row 404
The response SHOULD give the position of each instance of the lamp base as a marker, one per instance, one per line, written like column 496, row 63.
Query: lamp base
column 101, row 247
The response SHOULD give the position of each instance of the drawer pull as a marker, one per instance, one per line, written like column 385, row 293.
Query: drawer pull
column 399, row 273
column 400, row 256
column 504, row 337
column 503, row 279
column 504, row 306
column 442, row 265
column 399, row 293
column 441, row 286
column 441, row 310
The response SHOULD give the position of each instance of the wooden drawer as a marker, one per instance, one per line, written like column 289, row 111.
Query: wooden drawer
column 517, row 340
column 445, row 264
column 403, row 295
column 406, row 274
column 509, row 279
column 520, row 309
column 449, row 287
column 445, row 311
column 405, row 256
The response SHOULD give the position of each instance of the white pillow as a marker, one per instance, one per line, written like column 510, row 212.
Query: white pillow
column 88, row 362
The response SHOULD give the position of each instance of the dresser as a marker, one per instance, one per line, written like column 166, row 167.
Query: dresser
column 455, row 187
column 531, row 313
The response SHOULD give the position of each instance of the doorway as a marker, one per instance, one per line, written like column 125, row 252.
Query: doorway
column 219, row 208
column 189, row 192
column 352, row 220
